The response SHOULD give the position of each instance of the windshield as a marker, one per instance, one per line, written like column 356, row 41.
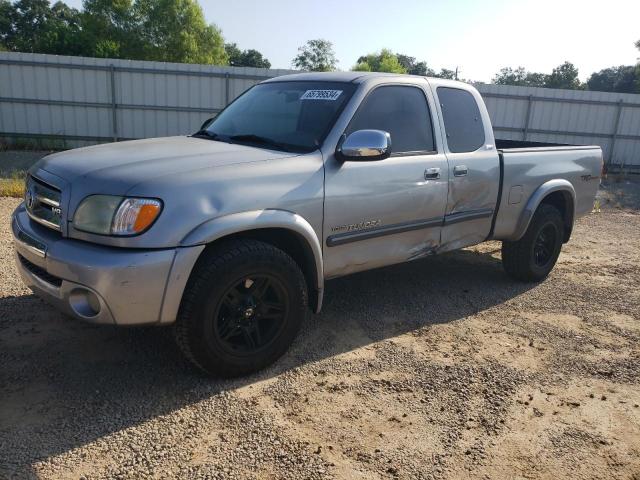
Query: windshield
column 294, row 116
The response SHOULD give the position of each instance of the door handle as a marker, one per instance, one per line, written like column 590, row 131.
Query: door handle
column 432, row 174
column 460, row 170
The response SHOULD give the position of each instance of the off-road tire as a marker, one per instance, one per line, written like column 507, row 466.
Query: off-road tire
column 219, row 268
column 519, row 258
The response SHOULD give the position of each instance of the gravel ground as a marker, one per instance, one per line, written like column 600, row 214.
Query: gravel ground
column 441, row 368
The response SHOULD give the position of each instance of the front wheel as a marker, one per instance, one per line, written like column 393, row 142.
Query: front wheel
column 242, row 308
column 532, row 258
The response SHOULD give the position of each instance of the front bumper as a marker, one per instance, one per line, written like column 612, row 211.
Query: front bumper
column 101, row 284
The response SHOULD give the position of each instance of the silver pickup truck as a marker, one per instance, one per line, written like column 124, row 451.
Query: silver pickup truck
column 230, row 233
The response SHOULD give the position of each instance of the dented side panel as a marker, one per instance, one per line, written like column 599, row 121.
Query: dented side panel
column 382, row 251
column 392, row 195
column 383, row 212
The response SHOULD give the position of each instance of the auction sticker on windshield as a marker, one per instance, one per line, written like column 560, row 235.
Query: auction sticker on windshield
column 321, row 95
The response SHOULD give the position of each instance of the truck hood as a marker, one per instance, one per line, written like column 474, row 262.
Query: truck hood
column 122, row 165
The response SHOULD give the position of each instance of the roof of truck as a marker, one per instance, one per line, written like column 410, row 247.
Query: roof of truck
column 355, row 77
column 360, row 77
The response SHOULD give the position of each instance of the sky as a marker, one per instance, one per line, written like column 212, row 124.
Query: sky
column 478, row 37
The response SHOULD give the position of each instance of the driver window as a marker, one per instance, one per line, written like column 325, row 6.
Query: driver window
column 400, row 110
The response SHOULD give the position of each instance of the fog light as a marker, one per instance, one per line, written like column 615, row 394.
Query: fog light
column 84, row 302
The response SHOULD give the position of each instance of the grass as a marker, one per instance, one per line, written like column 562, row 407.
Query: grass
column 33, row 144
column 13, row 186
column 13, row 169
column 17, row 157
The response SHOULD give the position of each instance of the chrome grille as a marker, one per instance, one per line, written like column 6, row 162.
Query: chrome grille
column 43, row 203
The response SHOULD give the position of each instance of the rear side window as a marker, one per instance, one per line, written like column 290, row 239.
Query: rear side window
column 401, row 111
column 462, row 122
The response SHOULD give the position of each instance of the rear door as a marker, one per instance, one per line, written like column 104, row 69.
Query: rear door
column 474, row 169
column 386, row 211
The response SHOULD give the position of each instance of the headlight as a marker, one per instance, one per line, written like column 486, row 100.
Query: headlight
column 111, row 215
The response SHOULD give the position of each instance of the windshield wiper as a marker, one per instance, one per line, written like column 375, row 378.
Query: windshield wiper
column 211, row 135
column 251, row 138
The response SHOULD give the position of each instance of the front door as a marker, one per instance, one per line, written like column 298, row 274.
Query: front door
column 386, row 211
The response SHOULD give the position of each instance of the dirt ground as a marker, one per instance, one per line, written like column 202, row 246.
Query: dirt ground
column 442, row 368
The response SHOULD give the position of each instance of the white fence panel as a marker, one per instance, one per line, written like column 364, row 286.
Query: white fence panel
column 80, row 101
column 86, row 100
column 611, row 120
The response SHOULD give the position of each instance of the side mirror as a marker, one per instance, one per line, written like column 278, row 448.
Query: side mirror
column 364, row 145
column 206, row 123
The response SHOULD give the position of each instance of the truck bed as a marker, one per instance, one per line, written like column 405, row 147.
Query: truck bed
column 525, row 166
column 525, row 144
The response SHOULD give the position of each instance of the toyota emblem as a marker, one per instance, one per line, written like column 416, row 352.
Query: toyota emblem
column 30, row 197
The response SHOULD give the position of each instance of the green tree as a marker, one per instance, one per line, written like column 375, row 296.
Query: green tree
column 316, row 56
column 564, row 76
column 422, row 69
column 415, row 68
column 165, row 30
column 383, row 61
column 446, row 73
column 509, row 76
column 34, row 26
column 622, row 79
column 535, row 79
column 161, row 30
column 64, row 32
column 361, row 67
column 28, row 21
column 6, row 11
column 234, row 54
column 176, row 31
column 253, row 58
column 245, row 58
column 112, row 29
column 519, row 77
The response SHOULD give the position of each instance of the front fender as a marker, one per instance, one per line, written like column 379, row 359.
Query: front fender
column 556, row 185
column 220, row 227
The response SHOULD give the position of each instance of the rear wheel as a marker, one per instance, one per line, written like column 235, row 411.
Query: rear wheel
column 242, row 308
column 531, row 258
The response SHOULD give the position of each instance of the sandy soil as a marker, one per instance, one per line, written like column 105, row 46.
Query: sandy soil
column 442, row 368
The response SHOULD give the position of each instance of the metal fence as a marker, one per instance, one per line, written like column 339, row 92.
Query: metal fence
column 611, row 120
column 76, row 101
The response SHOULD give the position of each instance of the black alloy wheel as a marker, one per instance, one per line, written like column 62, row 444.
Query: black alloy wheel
column 242, row 307
column 545, row 245
column 251, row 314
column 532, row 258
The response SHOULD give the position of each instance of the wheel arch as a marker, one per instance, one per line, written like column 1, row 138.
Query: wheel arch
column 285, row 230
column 559, row 193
